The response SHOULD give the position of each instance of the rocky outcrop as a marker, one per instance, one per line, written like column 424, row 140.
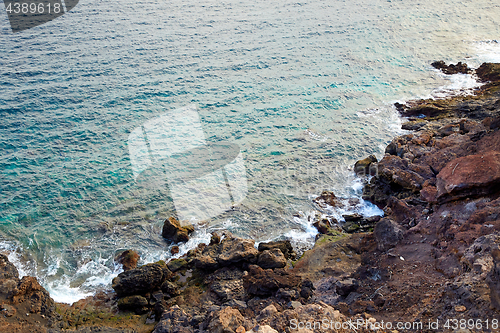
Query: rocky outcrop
column 451, row 68
column 172, row 230
column 265, row 282
column 230, row 250
column 284, row 246
column 25, row 304
column 273, row 258
column 470, row 176
column 139, row 280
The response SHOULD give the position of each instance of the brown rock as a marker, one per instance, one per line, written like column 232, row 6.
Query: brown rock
column 173, row 230
column 494, row 280
column 327, row 198
column 472, row 175
column 388, row 233
column 174, row 250
column 7, row 269
column 229, row 251
column 489, row 72
column 135, row 303
column 128, row 259
column 285, row 246
column 273, row 258
column 451, row 68
column 225, row 320
column 214, row 239
column 429, row 194
column 38, row 299
column 331, row 256
column 266, row 282
column 8, row 310
column 138, row 280
column 366, row 166
column 322, row 225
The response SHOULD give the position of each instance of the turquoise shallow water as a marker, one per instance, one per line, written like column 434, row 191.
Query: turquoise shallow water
column 303, row 88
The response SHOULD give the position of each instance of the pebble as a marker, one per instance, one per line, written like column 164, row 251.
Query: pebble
column 460, row 308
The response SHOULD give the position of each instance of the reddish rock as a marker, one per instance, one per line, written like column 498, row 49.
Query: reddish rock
column 128, row 259
column 429, row 194
column 265, row 282
column 471, row 175
column 174, row 250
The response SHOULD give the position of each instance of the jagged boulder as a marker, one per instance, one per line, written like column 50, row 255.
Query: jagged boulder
column 139, row 280
column 231, row 250
column 172, row 230
column 388, row 233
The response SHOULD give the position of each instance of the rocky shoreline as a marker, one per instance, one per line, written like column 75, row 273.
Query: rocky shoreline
column 433, row 257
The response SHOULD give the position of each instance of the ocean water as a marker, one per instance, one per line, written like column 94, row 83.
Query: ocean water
column 304, row 89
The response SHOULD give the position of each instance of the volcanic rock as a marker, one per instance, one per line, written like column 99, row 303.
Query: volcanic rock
column 388, row 233
column 327, row 198
column 225, row 320
column 469, row 176
column 266, row 282
column 135, row 303
column 229, row 251
column 367, row 166
column 173, row 230
column 139, row 280
column 285, row 246
column 273, row 258
column 451, row 68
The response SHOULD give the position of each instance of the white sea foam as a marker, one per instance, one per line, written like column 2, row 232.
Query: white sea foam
column 488, row 51
column 458, row 84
